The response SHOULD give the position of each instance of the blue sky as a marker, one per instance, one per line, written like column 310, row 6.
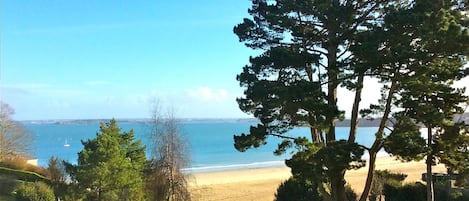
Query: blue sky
column 102, row 59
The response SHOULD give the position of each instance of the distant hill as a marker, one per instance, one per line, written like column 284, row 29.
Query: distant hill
column 362, row 123
column 345, row 123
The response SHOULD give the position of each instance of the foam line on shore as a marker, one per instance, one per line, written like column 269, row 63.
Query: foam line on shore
column 218, row 168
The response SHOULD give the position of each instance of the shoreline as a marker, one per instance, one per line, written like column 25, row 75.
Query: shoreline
column 260, row 183
column 234, row 167
column 253, row 165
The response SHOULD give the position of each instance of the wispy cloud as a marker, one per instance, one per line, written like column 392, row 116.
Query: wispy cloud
column 205, row 93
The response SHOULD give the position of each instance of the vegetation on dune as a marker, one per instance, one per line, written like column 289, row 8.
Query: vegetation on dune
column 112, row 166
column 416, row 49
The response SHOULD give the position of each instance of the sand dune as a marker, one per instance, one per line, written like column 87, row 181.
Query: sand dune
column 261, row 184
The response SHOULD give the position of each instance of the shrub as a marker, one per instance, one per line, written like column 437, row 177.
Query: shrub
column 407, row 192
column 36, row 191
column 298, row 190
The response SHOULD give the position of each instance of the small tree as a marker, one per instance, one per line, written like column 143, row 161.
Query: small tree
column 14, row 140
column 56, row 170
column 110, row 166
column 57, row 174
column 166, row 180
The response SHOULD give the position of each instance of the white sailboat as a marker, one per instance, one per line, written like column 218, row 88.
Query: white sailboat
column 66, row 143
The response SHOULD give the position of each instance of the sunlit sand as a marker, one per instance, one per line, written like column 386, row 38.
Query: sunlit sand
column 260, row 184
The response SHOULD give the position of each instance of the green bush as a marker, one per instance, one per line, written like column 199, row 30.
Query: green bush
column 304, row 190
column 36, row 191
column 407, row 192
column 298, row 190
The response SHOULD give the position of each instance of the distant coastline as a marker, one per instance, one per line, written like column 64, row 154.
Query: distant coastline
column 345, row 123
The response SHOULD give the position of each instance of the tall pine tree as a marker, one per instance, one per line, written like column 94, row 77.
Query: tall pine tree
column 310, row 48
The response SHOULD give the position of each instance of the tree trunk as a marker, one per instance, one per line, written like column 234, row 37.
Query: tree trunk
column 332, row 73
column 370, row 175
column 356, row 105
column 338, row 188
column 429, row 178
column 377, row 143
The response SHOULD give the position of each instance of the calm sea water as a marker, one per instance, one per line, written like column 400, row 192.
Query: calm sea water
column 210, row 143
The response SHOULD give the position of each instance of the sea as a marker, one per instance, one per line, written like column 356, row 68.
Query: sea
column 210, row 142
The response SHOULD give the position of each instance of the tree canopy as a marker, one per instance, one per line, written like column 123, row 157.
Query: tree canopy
column 416, row 49
column 110, row 166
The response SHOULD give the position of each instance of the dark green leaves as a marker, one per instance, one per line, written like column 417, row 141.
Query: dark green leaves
column 255, row 138
column 405, row 141
column 110, row 166
column 319, row 161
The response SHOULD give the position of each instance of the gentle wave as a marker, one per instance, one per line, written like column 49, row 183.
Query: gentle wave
column 266, row 164
column 218, row 168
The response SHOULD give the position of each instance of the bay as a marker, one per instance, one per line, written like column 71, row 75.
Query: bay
column 210, row 142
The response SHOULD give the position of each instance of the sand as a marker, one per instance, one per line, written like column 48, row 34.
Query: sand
column 260, row 184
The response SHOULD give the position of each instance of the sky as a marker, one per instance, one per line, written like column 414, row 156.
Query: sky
column 109, row 59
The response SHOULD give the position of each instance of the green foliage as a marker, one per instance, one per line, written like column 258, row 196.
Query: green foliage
column 408, row 192
column 36, row 191
column 110, row 166
column 395, row 191
column 452, row 147
column 310, row 48
column 324, row 163
column 405, row 141
column 298, row 190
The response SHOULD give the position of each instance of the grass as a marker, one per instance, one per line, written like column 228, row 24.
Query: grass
column 23, row 175
column 7, row 198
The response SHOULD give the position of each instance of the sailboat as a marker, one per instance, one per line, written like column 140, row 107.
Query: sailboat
column 66, row 144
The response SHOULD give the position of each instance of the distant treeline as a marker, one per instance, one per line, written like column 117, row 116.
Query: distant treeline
column 345, row 123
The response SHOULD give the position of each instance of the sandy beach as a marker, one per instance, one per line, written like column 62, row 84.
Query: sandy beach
column 260, row 184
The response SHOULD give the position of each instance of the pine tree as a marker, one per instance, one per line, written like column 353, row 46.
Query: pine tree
column 110, row 166
column 310, row 48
